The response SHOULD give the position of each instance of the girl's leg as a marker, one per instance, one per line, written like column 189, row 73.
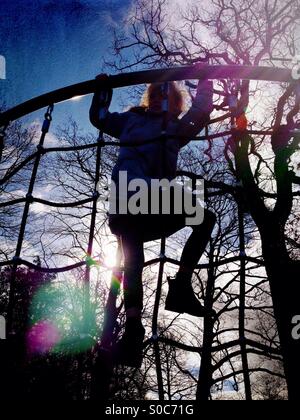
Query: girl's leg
column 129, row 348
column 196, row 244
column 133, row 250
column 181, row 297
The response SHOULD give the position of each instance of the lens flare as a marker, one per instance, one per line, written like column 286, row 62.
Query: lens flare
column 116, row 280
column 241, row 122
column 42, row 337
column 90, row 261
column 62, row 320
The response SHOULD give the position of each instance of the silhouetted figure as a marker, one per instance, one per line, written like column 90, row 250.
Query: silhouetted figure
column 154, row 161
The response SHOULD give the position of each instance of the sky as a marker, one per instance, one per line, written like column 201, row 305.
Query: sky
column 51, row 44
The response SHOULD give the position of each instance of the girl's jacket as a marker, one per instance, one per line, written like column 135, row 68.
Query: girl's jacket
column 157, row 159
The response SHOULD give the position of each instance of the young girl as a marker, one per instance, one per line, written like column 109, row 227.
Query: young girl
column 149, row 161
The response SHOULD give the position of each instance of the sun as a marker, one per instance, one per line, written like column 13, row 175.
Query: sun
column 106, row 254
column 110, row 255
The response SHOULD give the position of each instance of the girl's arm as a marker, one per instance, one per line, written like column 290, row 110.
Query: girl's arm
column 110, row 123
column 199, row 113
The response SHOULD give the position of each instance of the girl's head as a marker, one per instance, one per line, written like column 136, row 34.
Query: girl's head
column 153, row 98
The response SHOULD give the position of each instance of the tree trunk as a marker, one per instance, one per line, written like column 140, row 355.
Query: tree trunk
column 284, row 277
column 205, row 380
column 205, row 374
column 283, row 273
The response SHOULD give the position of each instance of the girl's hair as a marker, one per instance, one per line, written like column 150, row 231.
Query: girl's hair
column 176, row 97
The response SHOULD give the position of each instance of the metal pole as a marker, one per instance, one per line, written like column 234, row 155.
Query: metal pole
column 103, row 366
column 242, row 338
column 160, row 384
column 91, row 235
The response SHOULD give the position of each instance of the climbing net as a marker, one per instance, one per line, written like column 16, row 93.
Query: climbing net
column 225, row 73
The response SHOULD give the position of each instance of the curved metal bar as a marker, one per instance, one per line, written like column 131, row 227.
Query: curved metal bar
column 197, row 71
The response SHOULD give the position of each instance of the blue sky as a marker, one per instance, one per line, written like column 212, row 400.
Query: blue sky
column 50, row 44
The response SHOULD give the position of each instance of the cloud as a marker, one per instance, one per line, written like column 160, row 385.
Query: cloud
column 51, row 140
